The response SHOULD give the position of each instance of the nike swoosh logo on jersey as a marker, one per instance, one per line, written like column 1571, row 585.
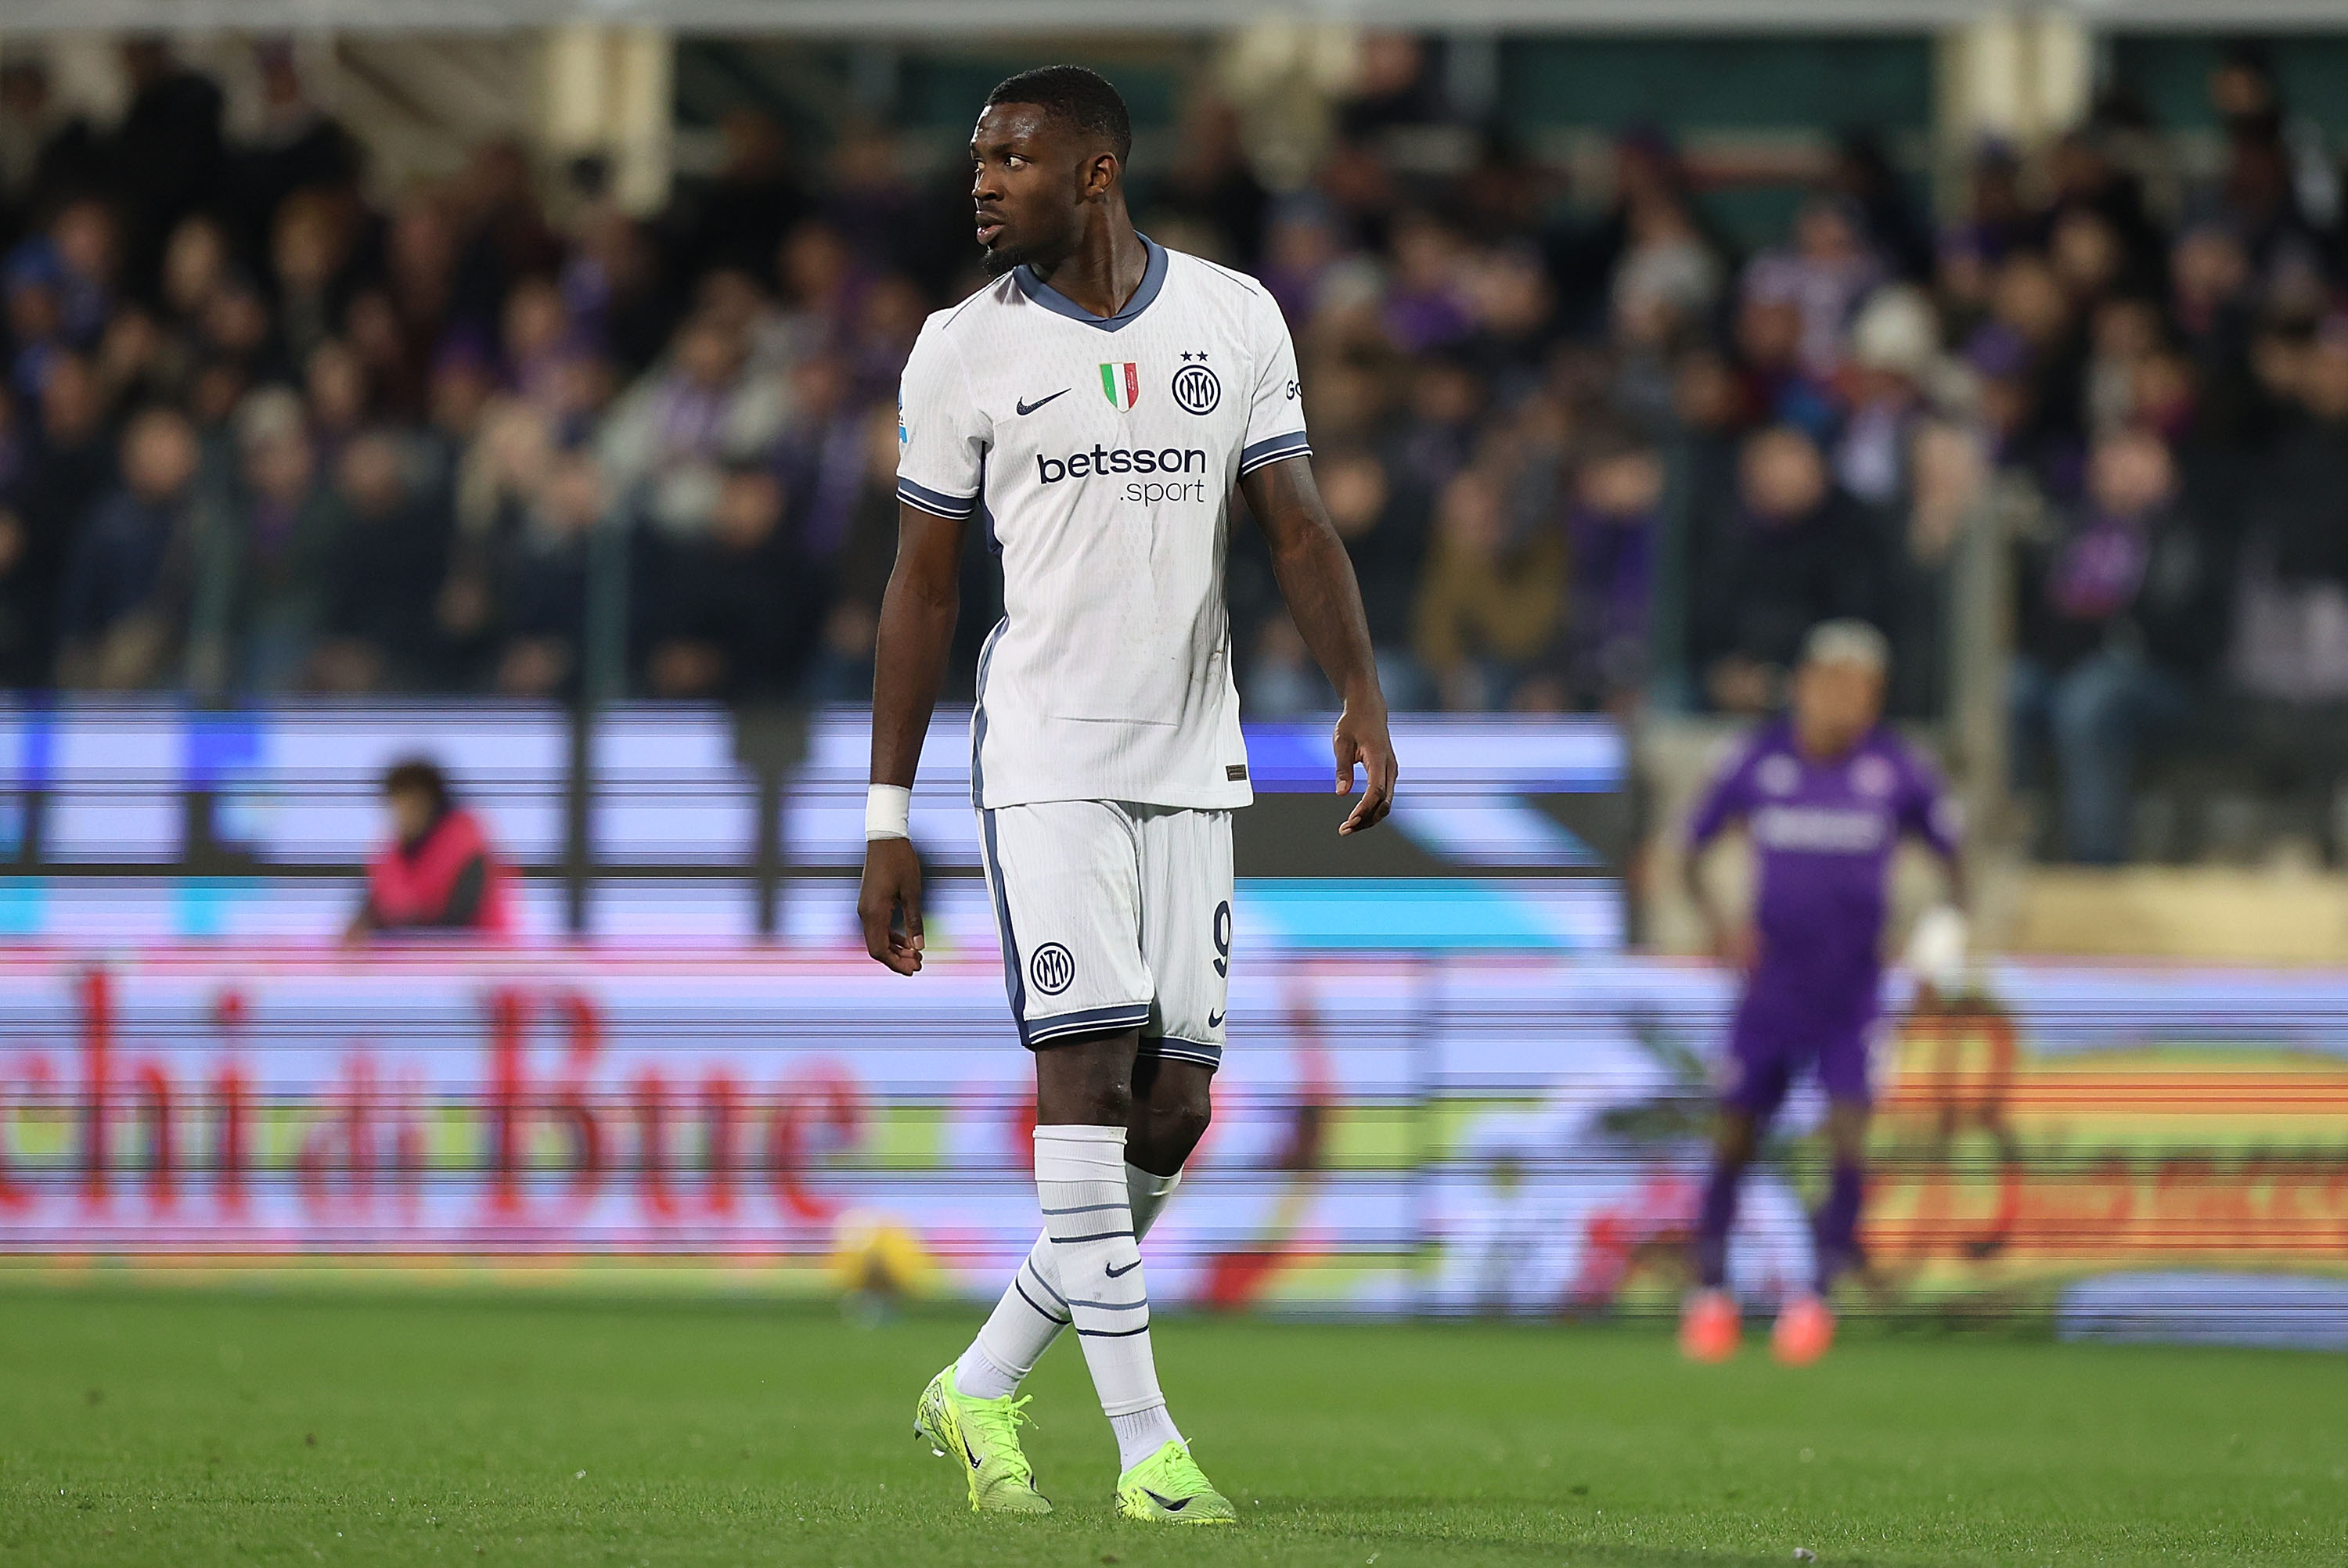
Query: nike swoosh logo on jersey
column 1128, row 1268
column 1214, row 1021
column 1026, row 408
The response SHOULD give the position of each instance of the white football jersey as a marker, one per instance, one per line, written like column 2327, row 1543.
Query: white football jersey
column 1100, row 455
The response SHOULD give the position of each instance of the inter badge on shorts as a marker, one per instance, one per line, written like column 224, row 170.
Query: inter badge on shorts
column 1053, row 969
column 1121, row 384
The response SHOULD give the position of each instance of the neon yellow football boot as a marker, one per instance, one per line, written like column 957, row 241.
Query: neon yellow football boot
column 1168, row 1487
column 984, row 1433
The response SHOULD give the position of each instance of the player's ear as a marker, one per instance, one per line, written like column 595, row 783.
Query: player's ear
column 1099, row 175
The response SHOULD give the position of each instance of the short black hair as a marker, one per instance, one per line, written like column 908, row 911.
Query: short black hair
column 420, row 775
column 1078, row 94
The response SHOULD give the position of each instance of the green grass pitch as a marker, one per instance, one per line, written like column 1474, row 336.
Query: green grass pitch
column 174, row 1426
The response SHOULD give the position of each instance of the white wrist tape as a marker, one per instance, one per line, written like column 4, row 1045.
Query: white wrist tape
column 888, row 812
column 1937, row 947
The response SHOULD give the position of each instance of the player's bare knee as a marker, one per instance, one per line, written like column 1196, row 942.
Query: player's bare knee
column 1085, row 1101
column 1085, row 1082
column 1177, row 1129
column 1109, row 1104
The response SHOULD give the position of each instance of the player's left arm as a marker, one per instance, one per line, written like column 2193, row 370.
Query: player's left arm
column 1316, row 578
column 1939, row 941
column 1929, row 812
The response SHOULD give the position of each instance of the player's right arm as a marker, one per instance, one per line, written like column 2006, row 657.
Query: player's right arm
column 1732, row 939
column 941, row 438
column 909, row 662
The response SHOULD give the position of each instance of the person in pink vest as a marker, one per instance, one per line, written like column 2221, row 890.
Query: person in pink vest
column 439, row 875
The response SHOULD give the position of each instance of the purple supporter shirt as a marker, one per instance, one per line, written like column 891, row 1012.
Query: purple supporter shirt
column 1823, row 835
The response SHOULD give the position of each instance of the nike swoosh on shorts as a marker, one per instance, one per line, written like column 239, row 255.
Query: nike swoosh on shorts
column 1026, row 408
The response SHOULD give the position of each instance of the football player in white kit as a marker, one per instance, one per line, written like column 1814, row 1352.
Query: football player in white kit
column 1093, row 407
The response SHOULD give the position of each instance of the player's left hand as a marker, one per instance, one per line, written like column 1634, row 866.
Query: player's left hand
column 1361, row 738
column 889, row 904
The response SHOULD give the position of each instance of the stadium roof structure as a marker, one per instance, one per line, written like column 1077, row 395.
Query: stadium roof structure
column 932, row 18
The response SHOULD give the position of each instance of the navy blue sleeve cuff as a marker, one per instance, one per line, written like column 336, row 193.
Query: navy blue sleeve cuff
column 1272, row 450
column 929, row 500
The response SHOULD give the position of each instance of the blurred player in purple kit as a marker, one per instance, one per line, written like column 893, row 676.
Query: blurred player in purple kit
column 1825, row 794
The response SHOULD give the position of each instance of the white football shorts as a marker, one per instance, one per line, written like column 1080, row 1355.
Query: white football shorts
column 1114, row 916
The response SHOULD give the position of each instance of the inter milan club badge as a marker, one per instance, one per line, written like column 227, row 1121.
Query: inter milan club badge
column 1053, row 969
column 1122, row 383
column 1196, row 388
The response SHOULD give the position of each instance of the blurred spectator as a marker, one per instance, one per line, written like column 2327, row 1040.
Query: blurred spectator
column 40, row 144
column 1946, row 485
column 2294, row 612
column 63, row 457
column 1210, row 190
column 1440, row 429
column 335, row 384
column 736, row 616
column 1611, row 534
column 2121, row 614
column 123, row 605
column 542, row 581
column 439, row 875
column 819, row 454
column 1395, row 84
column 1799, row 551
column 278, row 553
column 536, row 339
column 1777, row 387
column 1865, row 176
column 1996, row 219
column 820, row 284
column 1488, row 605
column 672, row 434
column 168, row 154
column 296, row 147
column 1823, row 276
column 1895, row 355
column 383, row 572
column 859, row 573
column 309, row 253
column 1385, row 530
column 2289, row 658
column 27, row 581
column 1666, row 264
column 1427, row 306
column 738, row 217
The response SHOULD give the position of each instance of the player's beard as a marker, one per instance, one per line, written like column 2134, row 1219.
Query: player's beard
column 1003, row 256
column 1046, row 252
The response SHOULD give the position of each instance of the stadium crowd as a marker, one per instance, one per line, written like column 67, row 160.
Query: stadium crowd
column 263, row 433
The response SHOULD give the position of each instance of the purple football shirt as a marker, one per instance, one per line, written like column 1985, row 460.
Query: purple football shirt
column 1823, row 835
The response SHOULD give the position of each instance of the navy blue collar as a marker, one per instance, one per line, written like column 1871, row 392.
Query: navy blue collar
column 1153, row 279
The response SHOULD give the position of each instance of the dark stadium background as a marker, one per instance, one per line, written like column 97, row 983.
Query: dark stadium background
column 434, row 338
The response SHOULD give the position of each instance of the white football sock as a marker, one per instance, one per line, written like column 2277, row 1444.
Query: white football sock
column 1141, row 1434
column 1034, row 1309
column 1080, row 1180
